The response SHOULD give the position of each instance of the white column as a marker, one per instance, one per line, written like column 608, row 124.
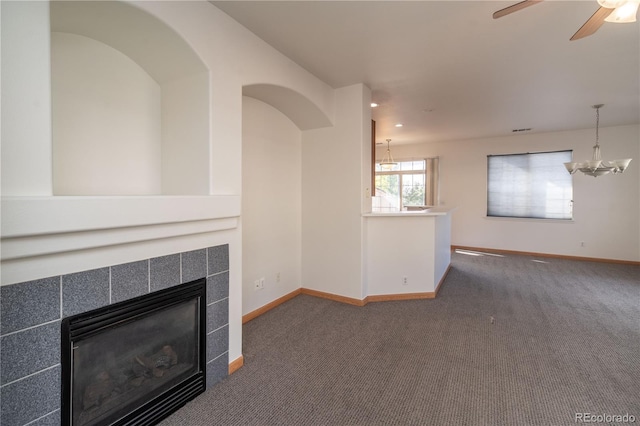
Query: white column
column 332, row 191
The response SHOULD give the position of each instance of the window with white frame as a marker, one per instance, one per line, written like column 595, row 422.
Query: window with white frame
column 408, row 184
column 530, row 185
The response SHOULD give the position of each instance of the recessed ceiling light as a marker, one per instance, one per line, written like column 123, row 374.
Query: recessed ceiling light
column 399, row 125
column 373, row 104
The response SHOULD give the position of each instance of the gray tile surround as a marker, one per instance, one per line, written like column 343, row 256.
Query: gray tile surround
column 216, row 342
column 165, row 272
column 217, row 287
column 30, row 303
column 51, row 419
column 30, row 351
column 30, row 315
column 30, row 398
column 129, row 280
column 194, row 265
column 217, row 315
column 218, row 369
column 85, row 291
column 218, row 259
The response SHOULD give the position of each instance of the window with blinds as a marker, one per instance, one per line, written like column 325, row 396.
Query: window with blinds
column 531, row 185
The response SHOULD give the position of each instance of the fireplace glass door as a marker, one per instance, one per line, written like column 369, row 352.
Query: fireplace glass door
column 137, row 361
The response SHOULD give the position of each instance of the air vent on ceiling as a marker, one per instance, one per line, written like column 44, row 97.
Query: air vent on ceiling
column 521, row 130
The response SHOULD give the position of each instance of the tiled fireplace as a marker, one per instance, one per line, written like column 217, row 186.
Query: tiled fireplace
column 31, row 314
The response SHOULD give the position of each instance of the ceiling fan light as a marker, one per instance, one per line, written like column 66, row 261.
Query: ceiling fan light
column 625, row 13
column 611, row 4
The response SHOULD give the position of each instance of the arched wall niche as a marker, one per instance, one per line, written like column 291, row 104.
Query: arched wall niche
column 130, row 104
column 303, row 112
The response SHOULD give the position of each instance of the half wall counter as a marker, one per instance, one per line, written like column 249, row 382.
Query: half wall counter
column 407, row 253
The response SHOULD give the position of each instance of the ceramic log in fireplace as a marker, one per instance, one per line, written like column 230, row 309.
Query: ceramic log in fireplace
column 137, row 361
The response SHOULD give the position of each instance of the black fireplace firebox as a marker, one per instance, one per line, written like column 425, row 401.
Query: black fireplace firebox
column 135, row 362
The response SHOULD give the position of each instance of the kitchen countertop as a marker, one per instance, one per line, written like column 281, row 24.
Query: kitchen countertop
column 433, row 211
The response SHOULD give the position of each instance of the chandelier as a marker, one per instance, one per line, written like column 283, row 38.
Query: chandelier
column 387, row 162
column 596, row 166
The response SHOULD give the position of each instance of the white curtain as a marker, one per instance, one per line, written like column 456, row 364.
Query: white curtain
column 432, row 187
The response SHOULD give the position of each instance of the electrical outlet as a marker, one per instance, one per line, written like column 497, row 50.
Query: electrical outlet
column 278, row 277
column 581, row 243
column 405, row 280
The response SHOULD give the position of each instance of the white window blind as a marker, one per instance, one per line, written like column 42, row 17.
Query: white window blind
column 530, row 185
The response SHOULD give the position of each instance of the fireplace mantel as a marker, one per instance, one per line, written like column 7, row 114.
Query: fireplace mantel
column 47, row 227
column 29, row 216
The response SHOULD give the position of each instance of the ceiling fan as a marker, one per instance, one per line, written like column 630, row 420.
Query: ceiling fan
column 609, row 11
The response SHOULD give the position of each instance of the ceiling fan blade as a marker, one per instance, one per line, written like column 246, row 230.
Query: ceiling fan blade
column 514, row 8
column 593, row 23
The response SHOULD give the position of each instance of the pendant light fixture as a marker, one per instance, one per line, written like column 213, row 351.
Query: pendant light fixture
column 596, row 166
column 387, row 162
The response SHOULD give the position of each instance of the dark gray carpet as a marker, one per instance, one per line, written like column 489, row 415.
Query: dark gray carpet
column 509, row 341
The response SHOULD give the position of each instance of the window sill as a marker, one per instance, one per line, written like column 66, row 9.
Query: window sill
column 528, row 219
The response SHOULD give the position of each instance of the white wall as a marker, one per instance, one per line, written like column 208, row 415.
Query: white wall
column 106, row 121
column 442, row 250
column 606, row 209
column 26, row 99
column 271, row 204
column 185, row 135
column 332, row 187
